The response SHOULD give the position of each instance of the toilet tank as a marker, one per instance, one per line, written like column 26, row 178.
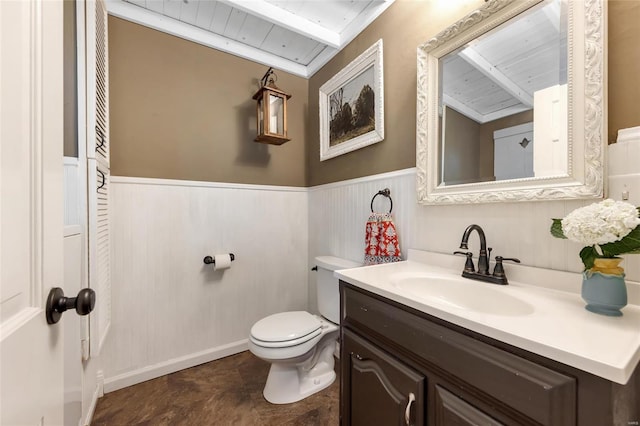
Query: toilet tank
column 328, row 287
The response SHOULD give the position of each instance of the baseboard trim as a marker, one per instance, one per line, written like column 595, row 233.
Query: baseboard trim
column 171, row 366
column 364, row 179
column 132, row 180
column 92, row 406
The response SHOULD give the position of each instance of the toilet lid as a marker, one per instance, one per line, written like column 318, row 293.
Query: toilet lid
column 285, row 326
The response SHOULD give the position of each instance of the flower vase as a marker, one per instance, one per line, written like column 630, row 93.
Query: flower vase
column 603, row 287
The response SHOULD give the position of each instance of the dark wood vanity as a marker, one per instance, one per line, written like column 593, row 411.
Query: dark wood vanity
column 400, row 366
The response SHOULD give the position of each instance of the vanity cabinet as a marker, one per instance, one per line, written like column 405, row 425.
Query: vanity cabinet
column 396, row 360
column 380, row 389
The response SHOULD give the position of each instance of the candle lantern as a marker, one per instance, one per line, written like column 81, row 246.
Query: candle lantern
column 271, row 111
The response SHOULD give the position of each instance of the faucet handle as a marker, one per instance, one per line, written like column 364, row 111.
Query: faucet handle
column 468, row 265
column 498, row 271
column 511, row 259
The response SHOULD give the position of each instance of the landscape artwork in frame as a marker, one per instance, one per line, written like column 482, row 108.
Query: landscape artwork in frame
column 352, row 106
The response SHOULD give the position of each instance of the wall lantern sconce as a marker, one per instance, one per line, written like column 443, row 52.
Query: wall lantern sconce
column 271, row 111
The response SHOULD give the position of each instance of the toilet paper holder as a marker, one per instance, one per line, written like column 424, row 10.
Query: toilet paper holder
column 209, row 260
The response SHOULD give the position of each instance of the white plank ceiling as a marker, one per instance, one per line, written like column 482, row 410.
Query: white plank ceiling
column 497, row 74
column 297, row 36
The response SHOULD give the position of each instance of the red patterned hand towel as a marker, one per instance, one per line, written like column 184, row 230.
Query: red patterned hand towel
column 381, row 243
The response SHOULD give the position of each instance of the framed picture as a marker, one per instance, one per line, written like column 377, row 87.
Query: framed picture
column 352, row 106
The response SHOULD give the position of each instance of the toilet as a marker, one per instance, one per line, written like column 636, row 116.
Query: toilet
column 300, row 345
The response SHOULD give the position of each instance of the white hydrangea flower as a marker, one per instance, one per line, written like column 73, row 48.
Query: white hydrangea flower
column 601, row 223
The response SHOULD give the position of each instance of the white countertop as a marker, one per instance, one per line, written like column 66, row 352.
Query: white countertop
column 556, row 325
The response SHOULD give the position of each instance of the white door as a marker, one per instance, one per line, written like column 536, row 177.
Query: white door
column 31, row 261
column 513, row 152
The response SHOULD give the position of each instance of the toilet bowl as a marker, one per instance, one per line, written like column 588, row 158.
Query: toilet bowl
column 299, row 345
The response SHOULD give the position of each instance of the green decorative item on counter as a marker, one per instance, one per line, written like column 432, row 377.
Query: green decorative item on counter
column 605, row 293
column 609, row 228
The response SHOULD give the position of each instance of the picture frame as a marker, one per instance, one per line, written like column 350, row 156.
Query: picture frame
column 352, row 105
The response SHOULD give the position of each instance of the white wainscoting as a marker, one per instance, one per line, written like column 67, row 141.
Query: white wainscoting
column 170, row 310
column 338, row 212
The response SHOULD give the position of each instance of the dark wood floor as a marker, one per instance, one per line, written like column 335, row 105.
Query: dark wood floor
column 223, row 392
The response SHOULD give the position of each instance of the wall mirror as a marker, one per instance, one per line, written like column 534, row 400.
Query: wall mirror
column 511, row 104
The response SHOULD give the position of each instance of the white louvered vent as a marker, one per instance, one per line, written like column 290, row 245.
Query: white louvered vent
column 99, row 253
column 97, row 82
column 98, row 171
column 101, row 83
column 103, row 251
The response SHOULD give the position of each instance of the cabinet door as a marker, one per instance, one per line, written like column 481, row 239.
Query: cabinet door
column 453, row 411
column 377, row 388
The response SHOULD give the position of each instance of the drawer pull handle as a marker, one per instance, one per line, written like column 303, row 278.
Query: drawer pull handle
column 407, row 411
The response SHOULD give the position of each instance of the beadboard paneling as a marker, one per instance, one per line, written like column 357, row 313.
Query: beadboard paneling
column 338, row 212
column 166, row 303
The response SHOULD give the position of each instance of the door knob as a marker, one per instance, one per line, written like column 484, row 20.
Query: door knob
column 57, row 303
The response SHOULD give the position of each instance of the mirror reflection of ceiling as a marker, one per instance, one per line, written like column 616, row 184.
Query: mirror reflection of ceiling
column 497, row 74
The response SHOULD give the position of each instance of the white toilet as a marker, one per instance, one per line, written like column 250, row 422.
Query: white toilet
column 299, row 345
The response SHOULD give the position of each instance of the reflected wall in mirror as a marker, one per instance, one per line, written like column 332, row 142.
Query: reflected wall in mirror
column 510, row 104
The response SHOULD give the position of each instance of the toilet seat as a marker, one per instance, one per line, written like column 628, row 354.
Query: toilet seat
column 282, row 352
column 286, row 329
column 286, row 343
column 296, row 347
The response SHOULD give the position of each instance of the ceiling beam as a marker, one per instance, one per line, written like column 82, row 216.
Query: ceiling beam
column 348, row 34
column 552, row 12
column 288, row 20
column 481, row 118
column 132, row 13
column 366, row 17
column 485, row 67
column 453, row 103
column 320, row 60
column 505, row 112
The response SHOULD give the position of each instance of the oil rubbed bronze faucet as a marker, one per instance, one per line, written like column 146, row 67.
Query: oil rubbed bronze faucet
column 498, row 276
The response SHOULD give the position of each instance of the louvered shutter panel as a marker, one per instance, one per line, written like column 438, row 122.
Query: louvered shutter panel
column 101, row 81
column 98, row 171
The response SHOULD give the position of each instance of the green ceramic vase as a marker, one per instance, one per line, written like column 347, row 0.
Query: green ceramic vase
column 604, row 293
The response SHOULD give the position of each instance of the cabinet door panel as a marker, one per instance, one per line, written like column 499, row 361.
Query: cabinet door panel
column 379, row 388
column 453, row 411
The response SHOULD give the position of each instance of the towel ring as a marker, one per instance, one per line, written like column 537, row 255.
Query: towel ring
column 387, row 193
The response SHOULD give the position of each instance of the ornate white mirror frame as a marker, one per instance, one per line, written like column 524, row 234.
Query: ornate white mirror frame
column 586, row 109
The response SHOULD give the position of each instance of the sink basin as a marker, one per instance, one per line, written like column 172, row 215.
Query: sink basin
column 461, row 293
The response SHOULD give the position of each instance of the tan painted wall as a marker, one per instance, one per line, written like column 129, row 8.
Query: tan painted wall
column 183, row 111
column 180, row 110
column 462, row 148
column 404, row 26
column 408, row 23
column 70, row 148
column 624, row 65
